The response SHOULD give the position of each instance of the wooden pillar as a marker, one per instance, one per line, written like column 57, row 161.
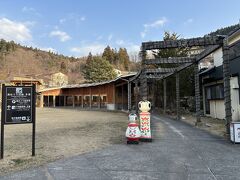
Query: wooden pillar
column 129, row 96
column 90, row 97
column 41, row 100
column 177, row 96
column 64, row 100
column 136, row 88
column 227, row 90
column 164, row 95
column 197, row 95
column 113, row 95
column 99, row 101
column 99, row 98
column 122, row 97
column 54, row 101
column 48, row 101
column 82, row 101
column 73, row 101
column 78, row 101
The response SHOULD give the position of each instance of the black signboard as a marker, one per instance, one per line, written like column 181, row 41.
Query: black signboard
column 18, row 104
column 18, row 107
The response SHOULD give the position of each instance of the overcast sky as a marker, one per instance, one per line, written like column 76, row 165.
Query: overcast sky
column 75, row 27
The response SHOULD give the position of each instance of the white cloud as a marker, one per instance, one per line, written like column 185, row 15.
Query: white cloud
column 13, row 30
column 188, row 21
column 98, row 48
column 30, row 10
column 83, row 50
column 99, row 37
column 30, row 23
column 83, row 18
column 143, row 34
column 132, row 48
column 61, row 35
column 110, row 36
column 73, row 17
column 63, row 20
column 120, row 42
column 156, row 24
column 27, row 9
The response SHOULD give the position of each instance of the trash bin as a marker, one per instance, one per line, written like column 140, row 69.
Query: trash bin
column 235, row 132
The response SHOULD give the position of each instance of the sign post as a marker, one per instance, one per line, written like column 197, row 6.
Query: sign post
column 18, row 107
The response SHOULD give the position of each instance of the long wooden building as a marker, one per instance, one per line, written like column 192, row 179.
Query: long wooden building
column 111, row 95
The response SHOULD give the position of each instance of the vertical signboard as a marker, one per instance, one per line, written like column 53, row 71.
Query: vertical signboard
column 235, row 132
column 18, row 107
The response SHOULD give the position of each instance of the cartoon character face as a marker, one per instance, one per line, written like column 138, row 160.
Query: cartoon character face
column 132, row 118
column 144, row 106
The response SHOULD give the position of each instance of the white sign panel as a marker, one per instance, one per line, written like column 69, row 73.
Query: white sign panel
column 235, row 132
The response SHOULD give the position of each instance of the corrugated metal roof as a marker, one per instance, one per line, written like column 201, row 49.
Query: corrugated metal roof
column 98, row 83
column 49, row 89
column 88, row 84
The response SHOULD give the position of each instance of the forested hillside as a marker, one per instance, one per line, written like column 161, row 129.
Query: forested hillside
column 225, row 30
column 17, row 60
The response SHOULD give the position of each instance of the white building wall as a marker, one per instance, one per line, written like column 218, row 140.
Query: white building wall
column 217, row 108
column 218, row 57
column 111, row 107
column 235, row 99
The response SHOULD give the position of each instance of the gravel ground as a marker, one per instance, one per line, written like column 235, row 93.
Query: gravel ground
column 212, row 125
column 61, row 133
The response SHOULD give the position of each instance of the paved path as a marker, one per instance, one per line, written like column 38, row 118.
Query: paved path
column 179, row 151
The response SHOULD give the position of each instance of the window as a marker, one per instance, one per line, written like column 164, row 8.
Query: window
column 220, row 91
column 208, row 93
column 215, row 92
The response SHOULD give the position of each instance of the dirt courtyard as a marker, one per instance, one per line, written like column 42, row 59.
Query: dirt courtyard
column 61, row 133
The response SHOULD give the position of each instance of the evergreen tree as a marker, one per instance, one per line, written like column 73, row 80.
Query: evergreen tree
column 63, row 67
column 186, row 76
column 3, row 45
column 109, row 54
column 98, row 69
column 171, row 52
column 89, row 58
column 123, row 58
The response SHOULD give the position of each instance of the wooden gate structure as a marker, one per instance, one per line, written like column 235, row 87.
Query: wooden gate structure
column 208, row 44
